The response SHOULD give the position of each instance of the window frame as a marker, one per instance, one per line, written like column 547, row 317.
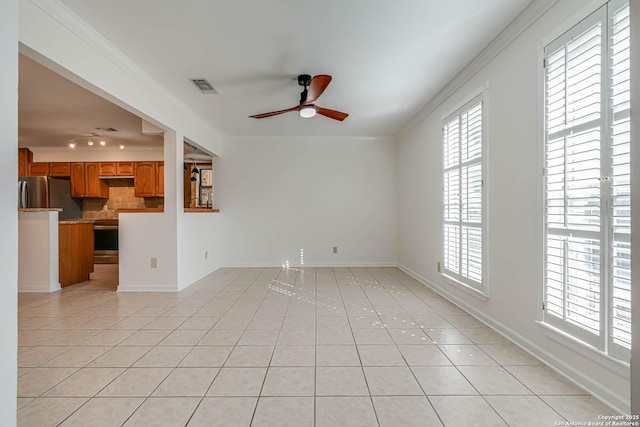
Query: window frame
column 478, row 289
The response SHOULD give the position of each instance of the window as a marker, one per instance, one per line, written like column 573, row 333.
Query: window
column 587, row 261
column 462, row 138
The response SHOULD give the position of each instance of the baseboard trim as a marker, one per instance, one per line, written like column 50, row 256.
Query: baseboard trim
column 602, row 393
column 39, row 289
column 314, row 265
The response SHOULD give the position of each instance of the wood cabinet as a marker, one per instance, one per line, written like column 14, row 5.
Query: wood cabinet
column 95, row 187
column 125, row 169
column 38, row 169
column 108, row 169
column 145, row 179
column 75, row 252
column 160, row 179
column 25, row 157
column 116, row 168
column 77, row 180
column 60, row 169
column 86, row 182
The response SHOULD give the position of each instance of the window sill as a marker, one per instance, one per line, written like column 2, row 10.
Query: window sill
column 466, row 288
column 618, row 366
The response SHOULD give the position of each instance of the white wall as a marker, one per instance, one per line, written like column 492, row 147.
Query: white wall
column 8, row 211
column 38, row 267
column 514, row 273
column 198, row 233
column 278, row 196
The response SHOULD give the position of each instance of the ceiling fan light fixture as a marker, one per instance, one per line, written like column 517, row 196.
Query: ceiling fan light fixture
column 307, row 111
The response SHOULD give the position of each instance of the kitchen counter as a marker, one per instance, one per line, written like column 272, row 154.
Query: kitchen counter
column 202, row 210
column 76, row 221
column 140, row 210
column 40, row 210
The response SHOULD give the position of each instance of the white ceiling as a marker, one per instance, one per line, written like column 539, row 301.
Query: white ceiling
column 53, row 110
column 387, row 58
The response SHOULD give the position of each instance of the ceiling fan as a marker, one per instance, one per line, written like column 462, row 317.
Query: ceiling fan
column 313, row 88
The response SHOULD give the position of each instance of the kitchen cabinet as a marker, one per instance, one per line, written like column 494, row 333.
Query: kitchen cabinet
column 125, row 169
column 86, row 182
column 145, row 179
column 75, row 252
column 160, row 179
column 108, row 168
column 25, row 157
column 116, row 168
column 77, row 180
column 60, row 169
column 39, row 169
column 94, row 185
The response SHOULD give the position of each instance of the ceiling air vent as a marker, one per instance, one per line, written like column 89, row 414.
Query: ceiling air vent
column 107, row 129
column 204, row 86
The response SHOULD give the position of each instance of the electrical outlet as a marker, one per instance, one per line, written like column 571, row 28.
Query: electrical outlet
column 439, row 267
column 206, row 254
column 154, row 262
column 335, row 249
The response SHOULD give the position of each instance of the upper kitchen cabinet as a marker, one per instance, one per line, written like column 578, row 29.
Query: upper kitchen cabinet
column 124, row 169
column 116, row 168
column 25, row 158
column 108, row 168
column 77, row 180
column 160, row 179
column 60, row 169
column 86, row 182
column 38, row 169
column 95, row 186
column 145, row 179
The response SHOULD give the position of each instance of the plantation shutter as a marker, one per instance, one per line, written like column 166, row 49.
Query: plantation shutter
column 463, row 194
column 572, row 160
column 587, row 183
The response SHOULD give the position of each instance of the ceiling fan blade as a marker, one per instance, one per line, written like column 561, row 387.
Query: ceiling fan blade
column 332, row 114
column 318, row 84
column 275, row 113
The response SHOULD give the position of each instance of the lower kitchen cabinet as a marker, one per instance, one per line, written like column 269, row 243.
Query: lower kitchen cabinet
column 75, row 252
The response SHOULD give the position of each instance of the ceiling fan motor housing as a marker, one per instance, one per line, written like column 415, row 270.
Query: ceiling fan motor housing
column 304, row 80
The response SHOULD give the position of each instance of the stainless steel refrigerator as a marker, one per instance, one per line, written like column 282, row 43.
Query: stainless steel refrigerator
column 48, row 192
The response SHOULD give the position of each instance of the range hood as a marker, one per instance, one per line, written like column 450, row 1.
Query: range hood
column 117, row 177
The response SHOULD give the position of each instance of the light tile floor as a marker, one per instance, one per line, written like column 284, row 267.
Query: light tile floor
column 277, row 347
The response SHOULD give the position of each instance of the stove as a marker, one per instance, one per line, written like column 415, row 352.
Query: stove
column 105, row 241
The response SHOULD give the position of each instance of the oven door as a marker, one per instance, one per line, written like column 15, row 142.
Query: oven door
column 105, row 238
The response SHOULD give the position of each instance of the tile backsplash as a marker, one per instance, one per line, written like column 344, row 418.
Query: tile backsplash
column 121, row 196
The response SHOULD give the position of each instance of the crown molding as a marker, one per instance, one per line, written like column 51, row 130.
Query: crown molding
column 519, row 25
